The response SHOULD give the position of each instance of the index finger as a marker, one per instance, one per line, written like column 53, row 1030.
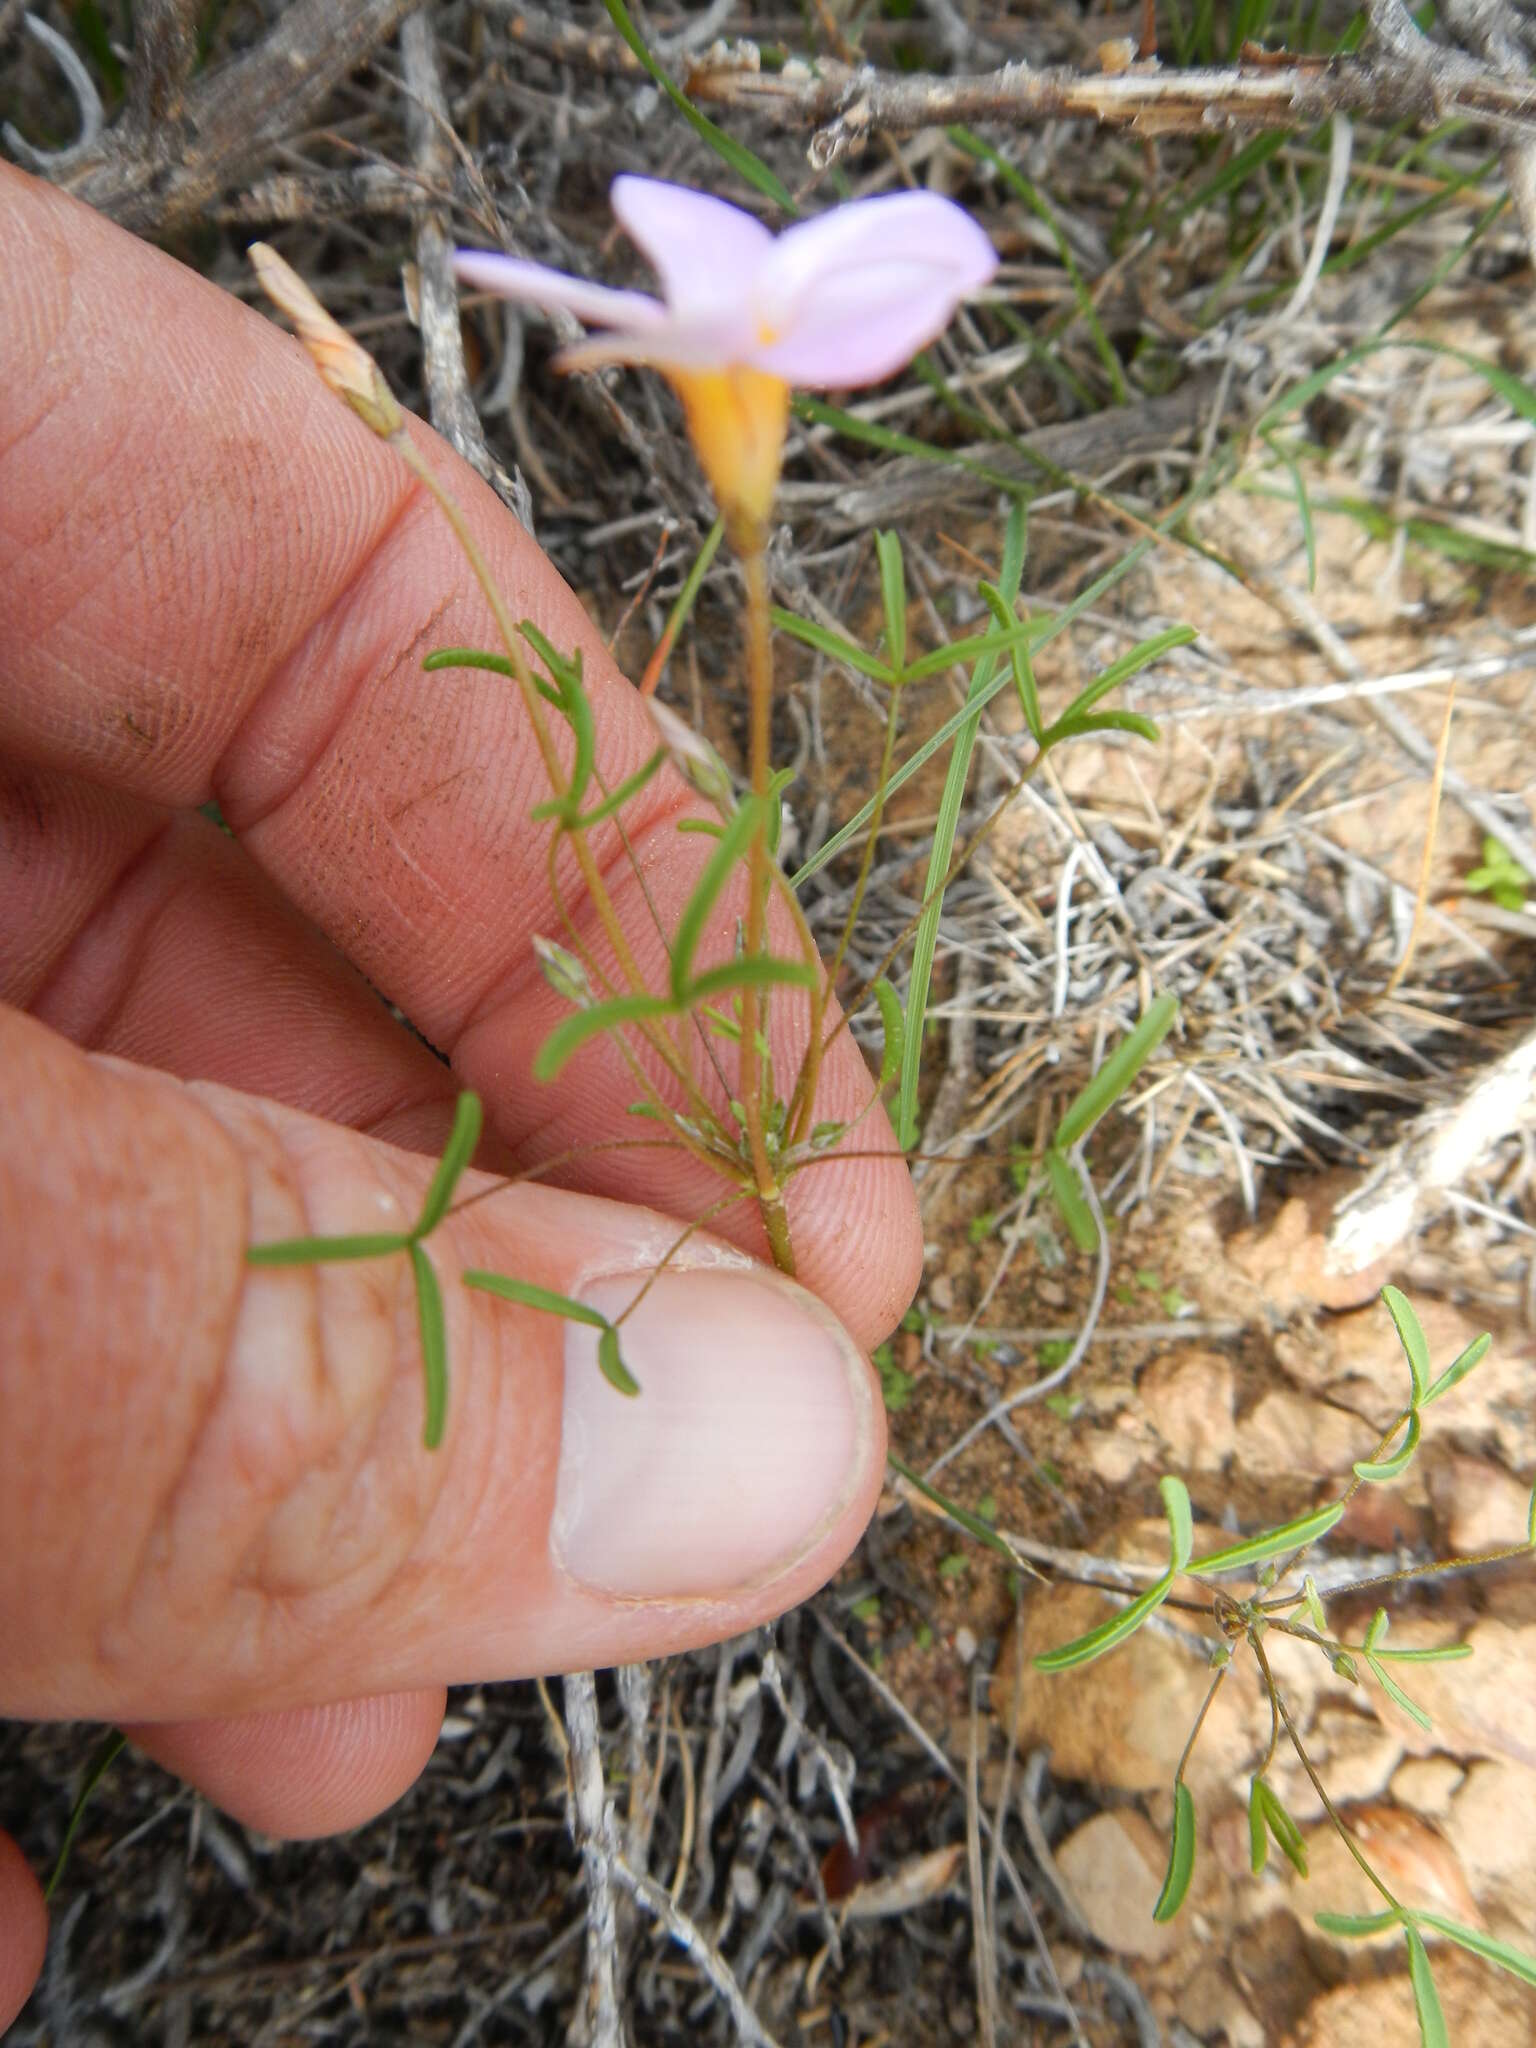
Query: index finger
column 215, row 583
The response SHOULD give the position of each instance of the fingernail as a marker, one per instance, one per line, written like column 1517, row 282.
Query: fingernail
column 748, row 1438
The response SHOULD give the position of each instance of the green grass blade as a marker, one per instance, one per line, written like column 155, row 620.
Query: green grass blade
column 434, row 1345
column 106, row 1753
column 468, row 1120
column 1410, row 1332
column 979, row 698
column 1426, row 2000
column 568, row 1037
column 1067, row 1193
column 973, row 1525
column 834, row 645
column 1118, row 1071
column 816, row 412
column 893, row 595
column 1457, row 1371
column 1181, row 1855
column 1272, row 1542
column 1303, row 505
column 1109, row 1634
column 611, row 1364
column 750, row 168
column 1069, row 728
column 320, row 1251
column 1485, row 1945
column 1378, row 1470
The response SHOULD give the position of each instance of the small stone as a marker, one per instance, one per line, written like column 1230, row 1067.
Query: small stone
column 1189, row 1399
column 1483, row 2009
column 1288, row 1433
column 1478, row 1505
column 1114, row 1454
column 1113, row 1868
column 1425, row 1784
column 1285, row 1258
column 1412, row 1856
column 1483, row 1706
column 1212, row 2006
column 1492, row 1826
column 1493, row 1410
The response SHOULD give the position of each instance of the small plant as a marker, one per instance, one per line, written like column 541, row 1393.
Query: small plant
column 1241, row 1623
column 1500, row 877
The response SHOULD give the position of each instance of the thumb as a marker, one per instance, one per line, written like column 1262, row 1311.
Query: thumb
column 214, row 1496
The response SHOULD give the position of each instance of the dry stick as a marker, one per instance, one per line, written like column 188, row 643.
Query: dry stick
column 1427, row 857
column 233, row 118
column 939, row 1756
column 688, row 1936
column 596, row 1836
column 1400, row 79
column 164, row 53
column 429, row 131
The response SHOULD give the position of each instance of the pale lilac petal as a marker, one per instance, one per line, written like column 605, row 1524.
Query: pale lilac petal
column 533, row 284
column 849, row 297
column 707, row 253
column 705, row 344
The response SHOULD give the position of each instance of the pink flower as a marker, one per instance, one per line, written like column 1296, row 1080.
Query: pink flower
column 834, row 302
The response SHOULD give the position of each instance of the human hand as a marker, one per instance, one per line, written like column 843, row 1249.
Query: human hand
column 217, row 1520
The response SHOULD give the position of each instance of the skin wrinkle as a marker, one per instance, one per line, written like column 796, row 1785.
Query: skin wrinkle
column 114, row 886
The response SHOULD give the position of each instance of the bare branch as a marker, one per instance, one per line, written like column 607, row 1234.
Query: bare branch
column 164, row 51
column 430, row 132
column 1408, row 81
column 232, row 119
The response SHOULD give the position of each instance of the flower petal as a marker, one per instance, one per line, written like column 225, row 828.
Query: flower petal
column 708, row 254
column 533, row 284
column 847, row 298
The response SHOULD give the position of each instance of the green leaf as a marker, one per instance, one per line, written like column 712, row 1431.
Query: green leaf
column 1358, row 1926
column 1181, row 1524
column 468, row 657
column 1271, row 1542
column 1069, row 728
column 730, row 848
column 468, row 1119
column 834, row 645
column 1426, row 2000
column 631, row 786
column 972, row 1524
column 319, row 1251
column 1258, row 1831
column 1457, row 1371
column 434, row 1345
column 106, row 1753
column 748, row 167
column 611, row 1364
column 1067, row 1193
column 1002, row 609
column 573, row 1033
column 1410, row 1332
column 574, row 703
column 1530, row 1520
column 1381, row 1621
column 768, row 972
column 1136, row 658
column 1314, row 1605
column 1485, row 1945
column 1280, row 1824
column 1181, row 1855
column 1109, row 1634
column 1447, row 1653
column 1394, row 1691
column 526, row 1295
column 893, row 595
column 893, row 1031
column 1118, row 1071
column 1377, row 1470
